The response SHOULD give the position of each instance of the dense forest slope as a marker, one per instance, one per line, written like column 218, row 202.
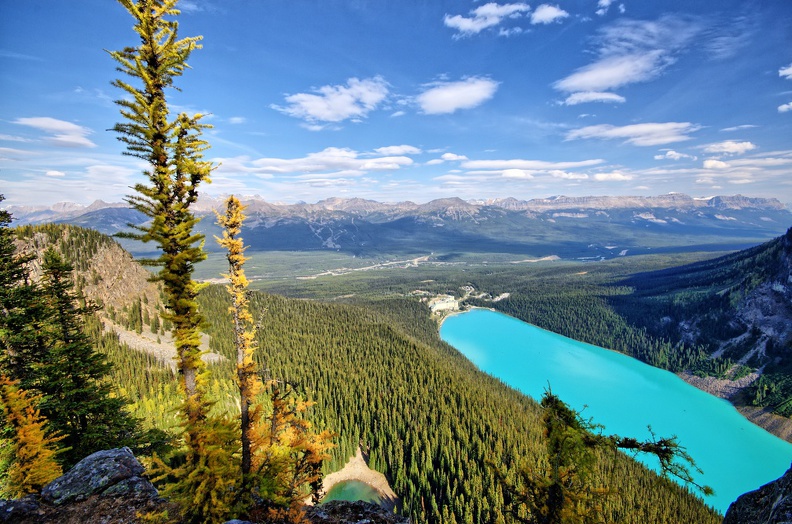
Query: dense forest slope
column 382, row 379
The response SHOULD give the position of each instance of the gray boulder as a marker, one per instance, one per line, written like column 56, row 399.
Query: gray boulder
column 113, row 472
column 770, row 504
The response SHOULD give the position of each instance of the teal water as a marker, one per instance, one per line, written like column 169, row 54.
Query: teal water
column 353, row 490
column 626, row 396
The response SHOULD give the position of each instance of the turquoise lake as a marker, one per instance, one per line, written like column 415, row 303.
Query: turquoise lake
column 626, row 396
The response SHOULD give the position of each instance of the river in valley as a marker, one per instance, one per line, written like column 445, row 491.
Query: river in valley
column 626, row 396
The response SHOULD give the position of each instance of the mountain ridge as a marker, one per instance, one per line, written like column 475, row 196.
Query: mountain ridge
column 584, row 228
column 361, row 206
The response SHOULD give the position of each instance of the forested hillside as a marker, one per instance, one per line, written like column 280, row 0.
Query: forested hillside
column 736, row 307
column 382, row 379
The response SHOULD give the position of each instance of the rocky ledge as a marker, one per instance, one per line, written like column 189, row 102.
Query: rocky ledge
column 110, row 487
column 770, row 504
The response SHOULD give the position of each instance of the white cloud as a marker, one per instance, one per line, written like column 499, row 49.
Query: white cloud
column 603, row 6
column 483, row 17
column 558, row 173
column 450, row 157
column 670, row 154
column 446, row 157
column 237, row 120
column 330, row 162
column 516, row 174
column 649, row 134
column 60, row 132
column 711, row 163
column 615, row 71
column 398, row 113
column 337, row 103
column 729, row 147
column 528, row 164
column 786, row 72
column 398, row 150
column 785, row 107
column 593, row 96
column 55, row 174
column 448, row 97
column 615, row 176
column 547, row 14
column 631, row 51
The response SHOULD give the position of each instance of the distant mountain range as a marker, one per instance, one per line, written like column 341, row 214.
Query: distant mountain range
column 570, row 227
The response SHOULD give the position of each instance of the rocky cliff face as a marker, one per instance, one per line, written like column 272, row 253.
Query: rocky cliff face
column 770, row 504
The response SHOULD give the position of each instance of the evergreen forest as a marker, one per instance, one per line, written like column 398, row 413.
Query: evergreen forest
column 381, row 379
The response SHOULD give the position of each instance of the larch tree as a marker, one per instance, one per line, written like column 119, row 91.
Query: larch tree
column 35, row 447
column 172, row 147
column 248, row 380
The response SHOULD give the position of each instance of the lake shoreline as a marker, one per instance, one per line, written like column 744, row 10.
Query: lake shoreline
column 357, row 469
column 731, row 391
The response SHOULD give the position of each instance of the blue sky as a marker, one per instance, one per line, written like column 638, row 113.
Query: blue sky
column 417, row 99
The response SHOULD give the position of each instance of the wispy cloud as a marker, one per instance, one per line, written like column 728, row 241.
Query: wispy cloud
column 604, row 5
column 448, row 97
column 330, row 162
column 398, row 150
column 728, row 39
column 631, row 51
column 783, row 108
column 484, row 17
column 547, row 14
column 738, row 128
column 59, row 132
column 584, row 97
column 648, row 134
column 786, row 72
column 337, row 103
column 538, row 165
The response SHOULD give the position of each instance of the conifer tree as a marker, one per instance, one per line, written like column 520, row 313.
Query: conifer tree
column 173, row 149
column 33, row 463
column 24, row 316
column 77, row 398
column 561, row 491
column 248, row 381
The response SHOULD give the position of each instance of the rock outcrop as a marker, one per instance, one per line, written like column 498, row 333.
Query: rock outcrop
column 770, row 504
column 109, row 487
column 113, row 472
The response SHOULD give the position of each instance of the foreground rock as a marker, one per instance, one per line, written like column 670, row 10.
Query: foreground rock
column 113, row 472
column 342, row 512
column 109, row 487
column 770, row 504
